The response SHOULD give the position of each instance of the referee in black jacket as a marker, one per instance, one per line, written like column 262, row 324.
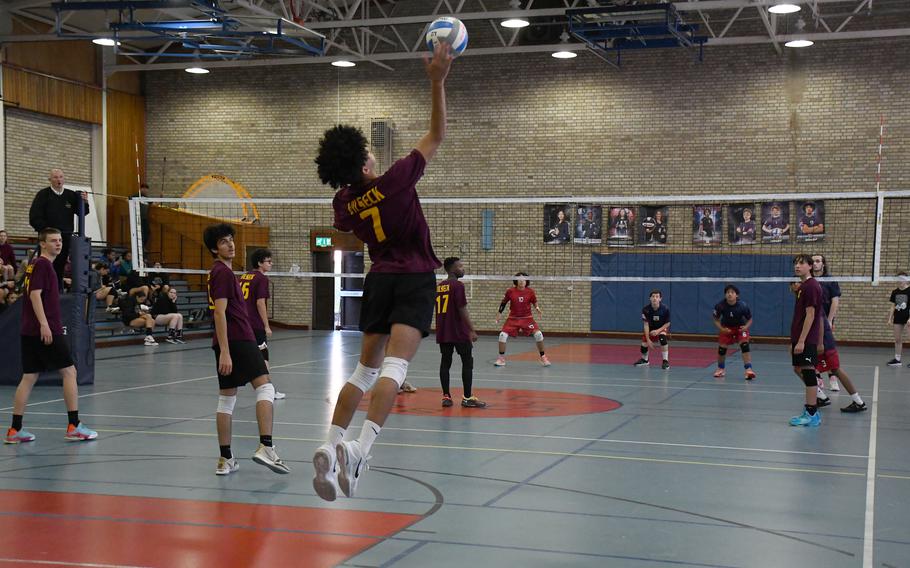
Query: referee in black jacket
column 55, row 206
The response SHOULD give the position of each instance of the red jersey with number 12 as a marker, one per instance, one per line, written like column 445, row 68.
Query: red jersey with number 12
column 520, row 301
column 386, row 215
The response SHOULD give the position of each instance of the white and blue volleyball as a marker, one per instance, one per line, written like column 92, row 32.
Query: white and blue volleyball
column 450, row 31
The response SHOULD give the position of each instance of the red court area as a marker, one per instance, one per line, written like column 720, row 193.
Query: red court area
column 70, row 529
column 605, row 353
column 501, row 403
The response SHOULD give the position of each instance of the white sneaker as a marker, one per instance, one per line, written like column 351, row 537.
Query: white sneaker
column 226, row 466
column 280, row 395
column 832, row 384
column 325, row 482
column 150, row 341
column 500, row 361
column 269, row 458
column 351, row 466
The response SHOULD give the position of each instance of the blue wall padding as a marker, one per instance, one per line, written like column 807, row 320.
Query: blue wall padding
column 616, row 306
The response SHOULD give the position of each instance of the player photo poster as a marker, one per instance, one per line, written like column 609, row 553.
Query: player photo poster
column 588, row 224
column 775, row 222
column 707, row 225
column 622, row 226
column 742, row 226
column 810, row 221
column 556, row 224
column 652, row 225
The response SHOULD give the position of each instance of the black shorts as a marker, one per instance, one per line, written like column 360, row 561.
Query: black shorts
column 901, row 318
column 808, row 358
column 262, row 342
column 397, row 298
column 247, row 361
column 463, row 349
column 38, row 357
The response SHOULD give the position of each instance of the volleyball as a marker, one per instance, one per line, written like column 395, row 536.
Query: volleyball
column 450, row 31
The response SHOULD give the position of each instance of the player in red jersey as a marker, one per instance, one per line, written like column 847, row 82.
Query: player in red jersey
column 520, row 299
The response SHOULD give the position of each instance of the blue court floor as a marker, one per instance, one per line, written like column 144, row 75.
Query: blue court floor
column 583, row 463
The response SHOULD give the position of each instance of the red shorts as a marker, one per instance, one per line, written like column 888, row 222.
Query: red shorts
column 731, row 335
column 520, row 326
column 828, row 361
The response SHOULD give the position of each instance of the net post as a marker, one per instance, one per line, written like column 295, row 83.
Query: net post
column 136, row 236
column 877, row 254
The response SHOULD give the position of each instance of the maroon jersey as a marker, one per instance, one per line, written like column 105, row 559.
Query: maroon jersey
column 809, row 295
column 254, row 285
column 223, row 284
column 520, row 301
column 8, row 254
column 40, row 275
column 386, row 215
column 450, row 326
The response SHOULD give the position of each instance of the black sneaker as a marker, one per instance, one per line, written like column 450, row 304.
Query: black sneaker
column 446, row 401
column 822, row 402
column 894, row 363
column 641, row 362
column 854, row 407
column 665, row 365
column 472, row 402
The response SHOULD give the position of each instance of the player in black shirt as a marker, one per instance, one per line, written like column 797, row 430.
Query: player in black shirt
column 899, row 315
column 656, row 323
column 733, row 318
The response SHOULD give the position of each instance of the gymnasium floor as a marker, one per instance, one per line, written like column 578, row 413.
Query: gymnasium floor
column 587, row 463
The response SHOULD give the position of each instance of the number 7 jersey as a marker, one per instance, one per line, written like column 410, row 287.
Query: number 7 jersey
column 387, row 216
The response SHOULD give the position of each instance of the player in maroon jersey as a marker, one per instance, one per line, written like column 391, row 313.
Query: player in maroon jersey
column 384, row 212
column 255, row 287
column 455, row 333
column 520, row 299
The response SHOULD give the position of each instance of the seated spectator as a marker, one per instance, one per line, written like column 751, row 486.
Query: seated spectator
column 7, row 258
column 163, row 278
column 133, row 284
column 104, row 287
column 165, row 312
column 133, row 314
column 112, row 260
column 126, row 264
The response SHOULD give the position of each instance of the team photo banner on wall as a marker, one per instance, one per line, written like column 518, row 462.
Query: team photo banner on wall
column 589, row 224
column 810, row 226
column 652, row 226
column 707, row 225
column 741, row 223
column 556, row 223
column 622, row 227
column 775, row 222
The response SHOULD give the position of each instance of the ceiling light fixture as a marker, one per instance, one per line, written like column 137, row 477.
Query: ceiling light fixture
column 105, row 41
column 563, row 53
column 343, row 63
column 196, row 70
column 784, row 8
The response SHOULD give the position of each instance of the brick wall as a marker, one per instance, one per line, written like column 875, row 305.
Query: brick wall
column 744, row 121
column 36, row 143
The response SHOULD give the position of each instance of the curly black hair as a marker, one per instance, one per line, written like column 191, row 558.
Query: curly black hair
column 215, row 233
column 342, row 154
column 259, row 255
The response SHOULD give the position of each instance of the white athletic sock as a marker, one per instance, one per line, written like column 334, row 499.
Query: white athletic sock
column 897, row 356
column 666, row 351
column 368, row 435
column 335, row 435
column 856, row 398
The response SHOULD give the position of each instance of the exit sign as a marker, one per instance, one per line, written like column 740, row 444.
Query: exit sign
column 323, row 242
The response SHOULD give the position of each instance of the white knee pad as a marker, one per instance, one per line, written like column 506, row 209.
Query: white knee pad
column 226, row 404
column 265, row 392
column 364, row 377
column 395, row 369
column 503, row 337
column 538, row 335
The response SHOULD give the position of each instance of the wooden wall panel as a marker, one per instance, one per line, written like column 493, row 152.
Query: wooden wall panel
column 125, row 130
column 42, row 93
column 78, row 60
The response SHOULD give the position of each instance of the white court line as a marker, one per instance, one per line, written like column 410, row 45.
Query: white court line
column 868, row 538
column 481, row 433
column 503, row 451
column 142, row 387
column 58, row 563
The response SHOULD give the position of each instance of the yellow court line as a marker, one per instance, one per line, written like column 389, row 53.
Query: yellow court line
column 509, row 451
